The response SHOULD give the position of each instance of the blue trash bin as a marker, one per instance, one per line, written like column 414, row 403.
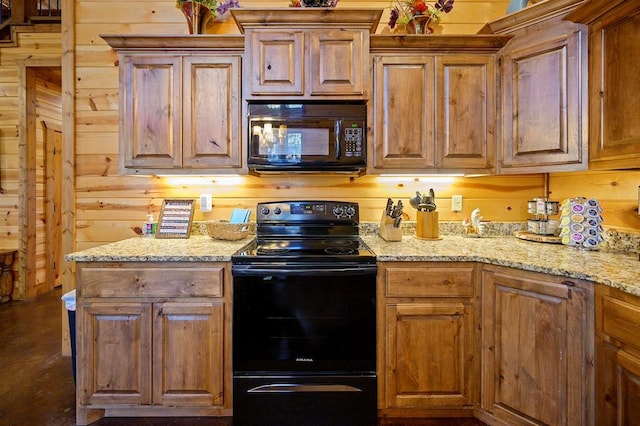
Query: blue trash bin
column 69, row 299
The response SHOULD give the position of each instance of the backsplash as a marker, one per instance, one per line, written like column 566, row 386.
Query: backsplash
column 614, row 241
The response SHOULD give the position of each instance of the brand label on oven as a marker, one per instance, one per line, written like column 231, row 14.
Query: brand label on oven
column 303, row 359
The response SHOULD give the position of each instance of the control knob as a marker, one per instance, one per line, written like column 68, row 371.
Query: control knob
column 264, row 211
column 350, row 211
column 277, row 210
column 338, row 211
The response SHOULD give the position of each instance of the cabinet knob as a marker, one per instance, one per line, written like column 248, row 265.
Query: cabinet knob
column 569, row 283
column 269, row 66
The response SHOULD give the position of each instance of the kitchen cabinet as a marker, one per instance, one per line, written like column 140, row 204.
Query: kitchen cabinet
column 433, row 109
column 537, row 348
column 307, row 54
column 427, row 341
column 335, row 64
column 152, row 336
column 614, row 55
column 543, row 102
column 618, row 357
column 180, row 109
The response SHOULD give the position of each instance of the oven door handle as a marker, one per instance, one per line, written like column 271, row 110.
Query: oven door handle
column 299, row 388
column 249, row 270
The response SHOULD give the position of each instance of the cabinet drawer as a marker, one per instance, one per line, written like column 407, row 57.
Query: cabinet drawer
column 621, row 320
column 151, row 281
column 407, row 281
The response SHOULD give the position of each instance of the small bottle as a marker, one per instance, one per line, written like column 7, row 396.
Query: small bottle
column 149, row 226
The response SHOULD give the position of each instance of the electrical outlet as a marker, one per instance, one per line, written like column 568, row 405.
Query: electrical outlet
column 456, row 203
column 206, row 202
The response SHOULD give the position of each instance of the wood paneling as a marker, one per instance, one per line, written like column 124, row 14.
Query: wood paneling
column 617, row 192
column 90, row 86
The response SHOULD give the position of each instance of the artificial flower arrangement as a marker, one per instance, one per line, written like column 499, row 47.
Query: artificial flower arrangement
column 313, row 3
column 215, row 8
column 406, row 11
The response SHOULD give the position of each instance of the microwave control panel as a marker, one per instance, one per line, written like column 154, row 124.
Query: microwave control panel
column 353, row 141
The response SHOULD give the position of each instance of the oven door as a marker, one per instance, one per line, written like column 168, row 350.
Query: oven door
column 311, row 319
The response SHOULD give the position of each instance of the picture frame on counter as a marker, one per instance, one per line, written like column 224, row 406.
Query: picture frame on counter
column 176, row 218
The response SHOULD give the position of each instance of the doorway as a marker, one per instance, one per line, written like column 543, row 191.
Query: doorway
column 40, row 182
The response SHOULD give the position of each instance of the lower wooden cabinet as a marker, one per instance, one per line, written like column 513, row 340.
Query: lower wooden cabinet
column 427, row 339
column 618, row 357
column 153, row 338
column 537, row 356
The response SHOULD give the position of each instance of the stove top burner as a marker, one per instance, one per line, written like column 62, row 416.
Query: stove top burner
column 339, row 251
column 306, row 231
column 337, row 242
column 270, row 251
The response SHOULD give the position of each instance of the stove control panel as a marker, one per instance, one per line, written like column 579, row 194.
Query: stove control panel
column 307, row 211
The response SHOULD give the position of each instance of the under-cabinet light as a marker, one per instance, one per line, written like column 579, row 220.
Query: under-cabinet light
column 420, row 178
column 224, row 180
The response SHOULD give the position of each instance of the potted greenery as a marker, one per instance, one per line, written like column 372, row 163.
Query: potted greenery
column 200, row 13
column 418, row 15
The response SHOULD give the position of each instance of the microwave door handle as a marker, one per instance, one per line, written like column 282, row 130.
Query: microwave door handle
column 337, row 130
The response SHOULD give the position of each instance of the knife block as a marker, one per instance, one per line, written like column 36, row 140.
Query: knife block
column 387, row 231
column 427, row 225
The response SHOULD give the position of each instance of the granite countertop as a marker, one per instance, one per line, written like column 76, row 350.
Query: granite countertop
column 197, row 248
column 617, row 270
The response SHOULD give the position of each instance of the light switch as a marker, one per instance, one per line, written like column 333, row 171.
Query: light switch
column 206, row 202
column 456, row 203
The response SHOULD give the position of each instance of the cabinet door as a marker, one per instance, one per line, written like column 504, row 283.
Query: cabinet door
column 466, row 120
column 403, row 113
column 114, row 353
column 277, row 62
column 150, row 112
column 614, row 87
column 544, row 126
column 618, row 376
column 337, row 64
column 428, row 355
column 536, row 347
column 211, row 118
column 188, row 354
column 619, row 393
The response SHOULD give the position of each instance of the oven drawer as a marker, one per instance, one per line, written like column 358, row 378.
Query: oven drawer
column 304, row 400
column 409, row 279
column 151, row 280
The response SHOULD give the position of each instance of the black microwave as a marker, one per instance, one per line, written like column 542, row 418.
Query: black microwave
column 307, row 137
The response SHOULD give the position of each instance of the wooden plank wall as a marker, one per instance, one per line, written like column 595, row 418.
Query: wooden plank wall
column 617, row 192
column 109, row 207
column 101, row 195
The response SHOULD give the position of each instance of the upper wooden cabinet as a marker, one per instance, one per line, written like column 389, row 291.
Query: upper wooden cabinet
column 433, row 108
column 543, row 103
column 307, row 53
column 614, row 59
column 307, row 63
column 180, row 104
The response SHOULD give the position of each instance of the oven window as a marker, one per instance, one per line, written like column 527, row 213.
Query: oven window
column 304, row 323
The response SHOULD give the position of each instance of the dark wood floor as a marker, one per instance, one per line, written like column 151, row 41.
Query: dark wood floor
column 36, row 381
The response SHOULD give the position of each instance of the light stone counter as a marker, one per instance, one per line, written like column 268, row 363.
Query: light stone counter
column 197, row 248
column 617, row 270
